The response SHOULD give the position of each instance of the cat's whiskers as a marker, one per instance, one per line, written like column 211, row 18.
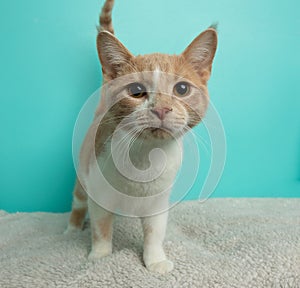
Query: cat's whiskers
column 129, row 134
column 112, row 120
column 199, row 138
column 132, row 140
column 132, row 135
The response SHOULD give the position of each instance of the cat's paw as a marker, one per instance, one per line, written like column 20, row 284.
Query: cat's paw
column 71, row 229
column 162, row 267
column 99, row 253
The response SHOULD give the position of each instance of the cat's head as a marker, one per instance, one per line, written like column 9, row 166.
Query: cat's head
column 159, row 94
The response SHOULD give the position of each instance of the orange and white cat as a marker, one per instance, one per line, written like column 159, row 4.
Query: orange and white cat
column 160, row 96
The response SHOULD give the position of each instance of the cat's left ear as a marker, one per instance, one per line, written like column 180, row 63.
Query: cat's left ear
column 200, row 53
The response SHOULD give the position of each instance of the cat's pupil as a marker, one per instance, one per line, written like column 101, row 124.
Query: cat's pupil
column 181, row 88
column 137, row 90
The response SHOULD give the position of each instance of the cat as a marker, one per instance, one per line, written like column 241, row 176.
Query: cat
column 159, row 97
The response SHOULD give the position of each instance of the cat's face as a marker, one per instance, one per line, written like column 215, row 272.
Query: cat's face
column 160, row 96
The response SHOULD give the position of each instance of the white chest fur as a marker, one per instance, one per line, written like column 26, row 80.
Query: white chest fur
column 159, row 174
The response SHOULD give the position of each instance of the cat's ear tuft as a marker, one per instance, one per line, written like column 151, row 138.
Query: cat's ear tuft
column 214, row 26
column 200, row 53
column 112, row 53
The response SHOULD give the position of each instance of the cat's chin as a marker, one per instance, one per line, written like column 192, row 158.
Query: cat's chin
column 158, row 133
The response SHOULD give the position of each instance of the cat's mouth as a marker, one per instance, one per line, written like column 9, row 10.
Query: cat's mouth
column 159, row 132
column 161, row 128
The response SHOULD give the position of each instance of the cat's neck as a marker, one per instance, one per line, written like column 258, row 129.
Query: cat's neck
column 141, row 148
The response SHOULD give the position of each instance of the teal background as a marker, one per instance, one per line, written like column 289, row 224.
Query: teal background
column 49, row 67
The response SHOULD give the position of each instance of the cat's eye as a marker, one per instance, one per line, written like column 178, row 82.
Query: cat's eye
column 137, row 90
column 182, row 89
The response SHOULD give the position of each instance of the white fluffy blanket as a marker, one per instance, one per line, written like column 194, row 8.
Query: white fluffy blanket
column 220, row 243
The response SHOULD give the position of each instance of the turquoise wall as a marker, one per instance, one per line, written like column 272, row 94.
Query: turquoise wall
column 49, row 67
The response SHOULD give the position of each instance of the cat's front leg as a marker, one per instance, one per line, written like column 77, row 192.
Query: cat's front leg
column 102, row 228
column 154, row 228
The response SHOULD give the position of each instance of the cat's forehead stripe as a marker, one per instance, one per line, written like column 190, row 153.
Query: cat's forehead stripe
column 156, row 75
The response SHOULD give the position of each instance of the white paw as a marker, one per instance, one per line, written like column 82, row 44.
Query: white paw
column 99, row 253
column 162, row 267
column 71, row 229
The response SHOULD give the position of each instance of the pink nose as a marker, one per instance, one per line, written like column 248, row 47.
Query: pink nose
column 161, row 112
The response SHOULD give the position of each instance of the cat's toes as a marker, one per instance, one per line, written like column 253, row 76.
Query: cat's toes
column 161, row 267
column 71, row 229
column 99, row 253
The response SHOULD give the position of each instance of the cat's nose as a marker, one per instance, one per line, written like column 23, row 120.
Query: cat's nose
column 161, row 112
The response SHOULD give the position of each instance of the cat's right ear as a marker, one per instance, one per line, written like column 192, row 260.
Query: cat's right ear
column 200, row 53
column 112, row 53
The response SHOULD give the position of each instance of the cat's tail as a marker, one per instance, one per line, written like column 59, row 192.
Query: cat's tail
column 105, row 17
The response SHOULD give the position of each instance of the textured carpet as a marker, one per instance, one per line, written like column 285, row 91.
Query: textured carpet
column 219, row 243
